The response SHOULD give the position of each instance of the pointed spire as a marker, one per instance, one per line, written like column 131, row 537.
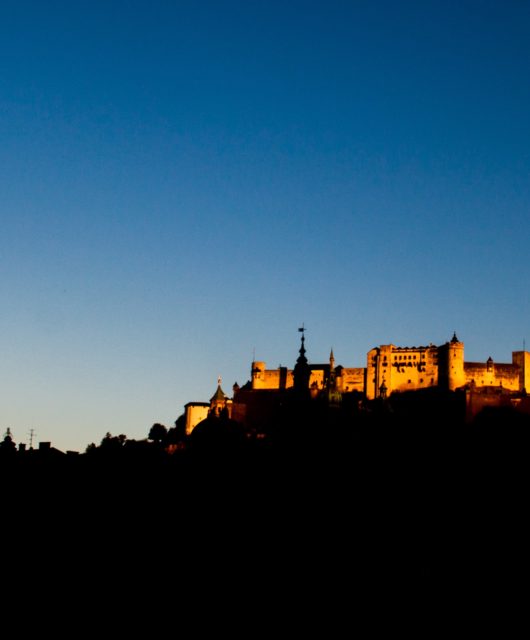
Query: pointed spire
column 301, row 358
column 218, row 401
column 301, row 370
column 334, row 396
column 454, row 338
column 219, row 393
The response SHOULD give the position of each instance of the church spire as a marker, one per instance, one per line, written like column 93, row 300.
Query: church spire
column 301, row 370
column 301, row 358
column 334, row 396
column 218, row 401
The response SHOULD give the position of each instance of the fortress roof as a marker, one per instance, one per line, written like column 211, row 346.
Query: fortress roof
column 218, row 395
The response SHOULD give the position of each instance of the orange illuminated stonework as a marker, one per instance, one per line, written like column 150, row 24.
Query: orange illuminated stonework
column 389, row 369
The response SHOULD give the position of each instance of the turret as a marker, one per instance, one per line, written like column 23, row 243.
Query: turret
column 219, row 402
column 333, row 394
column 257, row 374
column 451, row 364
column 522, row 360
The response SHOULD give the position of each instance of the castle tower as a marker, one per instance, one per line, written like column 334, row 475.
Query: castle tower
column 219, row 401
column 333, row 394
column 451, row 364
column 372, row 373
column 522, row 360
column 257, row 374
column 331, row 382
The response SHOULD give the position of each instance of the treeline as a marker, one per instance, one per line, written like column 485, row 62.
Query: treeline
column 382, row 492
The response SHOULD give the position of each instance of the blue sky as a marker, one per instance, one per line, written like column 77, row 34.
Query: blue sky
column 183, row 183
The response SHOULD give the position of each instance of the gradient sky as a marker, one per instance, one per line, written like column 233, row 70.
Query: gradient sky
column 182, row 183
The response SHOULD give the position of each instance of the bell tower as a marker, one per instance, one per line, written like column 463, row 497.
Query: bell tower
column 301, row 371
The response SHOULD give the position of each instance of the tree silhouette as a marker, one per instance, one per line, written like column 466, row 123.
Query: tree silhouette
column 157, row 432
column 112, row 443
column 90, row 448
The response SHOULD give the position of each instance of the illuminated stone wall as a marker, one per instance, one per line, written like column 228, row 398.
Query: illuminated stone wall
column 351, row 379
column 522, row 360
column 407, row 369
column 348, row 379
column 492, row 375
column 401, row 369
column 195, row 412
column 263, row 378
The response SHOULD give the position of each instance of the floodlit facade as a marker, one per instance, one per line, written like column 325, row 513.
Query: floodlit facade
column 389, row 369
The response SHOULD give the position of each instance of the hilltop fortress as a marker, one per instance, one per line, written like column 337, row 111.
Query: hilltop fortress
column 389, row 370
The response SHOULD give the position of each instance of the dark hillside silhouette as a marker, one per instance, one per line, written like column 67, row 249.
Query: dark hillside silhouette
column 395, row 489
